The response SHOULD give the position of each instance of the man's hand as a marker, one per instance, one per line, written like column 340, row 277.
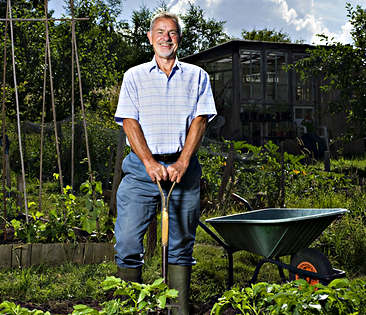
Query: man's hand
column 156, row 171
column 177, row 170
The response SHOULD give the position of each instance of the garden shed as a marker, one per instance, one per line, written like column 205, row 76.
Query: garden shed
column 258, row 98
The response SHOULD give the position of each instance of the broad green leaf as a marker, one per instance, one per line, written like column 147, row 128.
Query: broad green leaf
column 162, row 301
column 339, row 283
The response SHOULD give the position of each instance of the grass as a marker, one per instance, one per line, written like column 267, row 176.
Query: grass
column 41, row 284
column 352, row 163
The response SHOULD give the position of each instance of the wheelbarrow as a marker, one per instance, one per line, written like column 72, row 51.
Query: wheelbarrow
column 276, row 232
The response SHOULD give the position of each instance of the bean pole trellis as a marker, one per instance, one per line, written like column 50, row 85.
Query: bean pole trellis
column 48, row 66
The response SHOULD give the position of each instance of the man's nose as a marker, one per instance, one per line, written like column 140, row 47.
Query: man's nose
column 166, row 36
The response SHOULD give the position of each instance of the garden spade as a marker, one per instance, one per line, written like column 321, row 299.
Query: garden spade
column 165, row 229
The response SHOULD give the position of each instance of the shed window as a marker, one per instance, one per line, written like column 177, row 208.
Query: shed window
column 276, row 77
column 251, row 64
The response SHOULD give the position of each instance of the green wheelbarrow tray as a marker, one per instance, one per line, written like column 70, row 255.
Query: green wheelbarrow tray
column 272, row 233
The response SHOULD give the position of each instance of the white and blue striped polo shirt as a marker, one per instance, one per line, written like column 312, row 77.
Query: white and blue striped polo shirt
column 165, row 106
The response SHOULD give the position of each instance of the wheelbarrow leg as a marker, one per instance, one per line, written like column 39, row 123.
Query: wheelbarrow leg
column 231, row 268
column 256, row 271
column 276, row 261
column 280, row 271
column 228, row 250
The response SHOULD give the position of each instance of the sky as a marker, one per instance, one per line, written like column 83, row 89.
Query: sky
column 300, row 19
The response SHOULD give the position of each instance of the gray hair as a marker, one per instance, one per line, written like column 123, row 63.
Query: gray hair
column 168, row 15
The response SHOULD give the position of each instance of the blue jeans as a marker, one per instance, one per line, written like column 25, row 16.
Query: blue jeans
column 137, row 200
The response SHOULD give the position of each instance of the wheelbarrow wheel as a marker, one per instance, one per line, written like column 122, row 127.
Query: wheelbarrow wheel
column 312, row 260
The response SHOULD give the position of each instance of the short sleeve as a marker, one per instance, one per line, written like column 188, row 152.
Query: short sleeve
column 128, row 101
column 205, row 102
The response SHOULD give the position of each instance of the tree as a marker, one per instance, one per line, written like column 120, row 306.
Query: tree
column 137, row 34
column 200, row 33
column 341, row 68
column 101, row 50
column 29, row 45
column 103, row 53
column 266, row 35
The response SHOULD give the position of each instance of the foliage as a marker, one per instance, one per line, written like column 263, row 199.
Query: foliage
column 212, row 163
column 268, row 35
column 58, row 226
column 262, row 172
column 28, row 58
column 200, row 33
column 339, row 297
column 68, row 213
column 257, row 170
column 102, row 136
column 345, row 241
column 140, row 299
column 95, row 217
column 269, row 170
column 49, row 284
column 341, row 69
column 10, row 308
column 101, row 51
column 137, row 36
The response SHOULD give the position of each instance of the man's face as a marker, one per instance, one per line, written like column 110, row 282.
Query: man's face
column 165, row 38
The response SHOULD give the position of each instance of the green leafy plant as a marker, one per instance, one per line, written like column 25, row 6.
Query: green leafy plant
column 148, row 296
column 341, row 296
column 69, row 212
column 95, row 216
column 131, row 298
column 135, row 298
column 10, row 308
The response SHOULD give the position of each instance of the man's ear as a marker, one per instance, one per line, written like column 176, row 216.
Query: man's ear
column 149, row 37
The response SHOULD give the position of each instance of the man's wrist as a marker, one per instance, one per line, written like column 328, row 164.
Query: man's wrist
column 184, row 159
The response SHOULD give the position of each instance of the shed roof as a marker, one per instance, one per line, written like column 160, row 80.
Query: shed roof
column 227, row 48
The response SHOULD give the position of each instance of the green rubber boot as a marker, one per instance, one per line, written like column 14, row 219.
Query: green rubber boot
column 130, row 274
column 179, row 278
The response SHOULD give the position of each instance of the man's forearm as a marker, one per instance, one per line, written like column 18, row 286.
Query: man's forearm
column 194, row 138
column 137, row 139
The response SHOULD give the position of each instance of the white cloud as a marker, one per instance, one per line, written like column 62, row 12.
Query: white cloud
column 178, row 6
column 343, row 36
column 311, row 23
column 291, row 17
column 211, row 3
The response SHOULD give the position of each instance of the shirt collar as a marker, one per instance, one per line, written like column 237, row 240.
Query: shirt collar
column 153, row 64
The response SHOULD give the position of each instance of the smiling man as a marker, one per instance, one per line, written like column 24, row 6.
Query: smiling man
column 164, row 107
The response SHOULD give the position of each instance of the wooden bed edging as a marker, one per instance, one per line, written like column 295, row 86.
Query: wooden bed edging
column 26, row 255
